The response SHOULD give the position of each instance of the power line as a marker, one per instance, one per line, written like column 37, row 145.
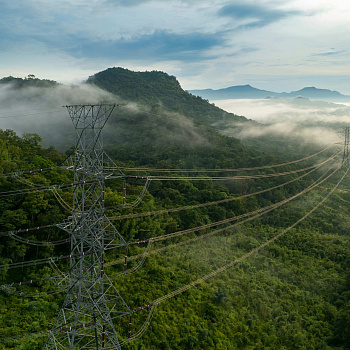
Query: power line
column 58, row 197
column 43, row 188
column 18, row 173
column 138, row 200
column 143, row 256
column 254, row 214
column 221, row 178
column 43, row 260
column 176, row 170
column 251, row 216
column 38, row 243
column 168, row 296
column 22, row 230
column 61, row 201
column 226, row 200
column 214, row 273
column 180, row 170
column 255, row 250
column 13, row 234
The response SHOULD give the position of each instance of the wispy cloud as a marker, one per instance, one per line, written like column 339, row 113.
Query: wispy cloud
column 256, row 15
column 158, row 46
column 330, row 53
column 126, row 3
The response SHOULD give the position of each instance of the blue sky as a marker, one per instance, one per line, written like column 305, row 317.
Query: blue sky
column 279, row 45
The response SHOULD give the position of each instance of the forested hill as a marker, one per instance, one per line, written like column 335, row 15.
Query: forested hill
column 158, row 88
column 150, row 132
column 295, row 294
column 29, row 81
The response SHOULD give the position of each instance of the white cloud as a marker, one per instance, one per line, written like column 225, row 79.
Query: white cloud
column 282, row 40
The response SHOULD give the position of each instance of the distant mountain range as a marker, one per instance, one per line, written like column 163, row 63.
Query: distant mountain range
column 249, row 92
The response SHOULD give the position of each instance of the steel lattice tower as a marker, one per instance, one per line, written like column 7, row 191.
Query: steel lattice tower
column 92, row 303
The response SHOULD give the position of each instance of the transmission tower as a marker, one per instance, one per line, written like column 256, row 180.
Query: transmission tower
column 92, row 303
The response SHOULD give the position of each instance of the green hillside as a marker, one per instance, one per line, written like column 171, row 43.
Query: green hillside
column 158, row 93
column 152, row 136
column 158, row 89
column 170, row 125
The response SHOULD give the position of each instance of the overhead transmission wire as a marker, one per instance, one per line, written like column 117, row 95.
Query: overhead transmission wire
column 226, row 200
column 176, row 170
column 148, row 179
column 37, row 243
column 29, row 295
column 178, row 291
column 136, row 202
column 60, row 186
column 42, row 261
column 54, row 189
column 10, row 288
column 220, row 178
column 242, row 177
column 62, row 275
column 153, row 304
column 257, row 213
column 223, row 169
column 214, row 273
column 207, row 178
column 254, row 214
column 42, row 188
column 74, row 184
column 158, row 238
column 24, row 181
column 13, row 234
column 61, row 201
column 55, row 192
column 255, row 250
column 67, row 207
column 24, row 172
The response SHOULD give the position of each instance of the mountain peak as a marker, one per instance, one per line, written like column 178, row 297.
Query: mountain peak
column 156, row 88
column 250, row 92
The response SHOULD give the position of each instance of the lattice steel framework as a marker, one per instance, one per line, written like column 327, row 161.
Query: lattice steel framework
column 92, row 303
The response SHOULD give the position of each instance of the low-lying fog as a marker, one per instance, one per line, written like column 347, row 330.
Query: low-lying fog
column 276, row 110
column 310, row 121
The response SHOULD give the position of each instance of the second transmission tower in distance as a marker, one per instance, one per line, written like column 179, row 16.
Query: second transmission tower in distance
column 92, row 303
